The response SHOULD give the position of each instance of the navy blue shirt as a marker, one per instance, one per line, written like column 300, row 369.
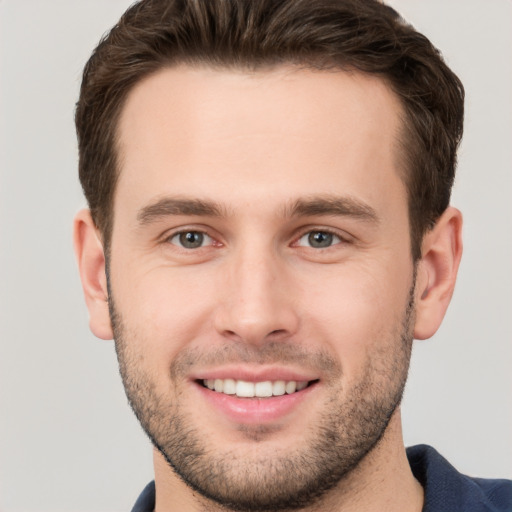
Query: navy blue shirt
column 446, row 490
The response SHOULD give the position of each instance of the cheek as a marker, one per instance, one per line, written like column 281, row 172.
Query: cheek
column 164, row 311
column 356, row 311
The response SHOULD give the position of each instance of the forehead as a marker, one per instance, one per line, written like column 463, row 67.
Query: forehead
column 197, row 130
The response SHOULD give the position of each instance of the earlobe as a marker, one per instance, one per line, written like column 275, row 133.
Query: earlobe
column 91, row 264
column 437, row 272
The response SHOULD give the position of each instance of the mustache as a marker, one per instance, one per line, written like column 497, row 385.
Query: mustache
column 273, row 352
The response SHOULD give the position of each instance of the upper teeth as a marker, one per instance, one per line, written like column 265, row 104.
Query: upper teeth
column 246, row 389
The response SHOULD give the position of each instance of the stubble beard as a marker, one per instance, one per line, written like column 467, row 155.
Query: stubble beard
column 351, row 426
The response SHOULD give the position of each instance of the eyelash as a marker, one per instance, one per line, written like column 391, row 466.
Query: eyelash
column 331, row 233
column 183, row 232
column 309, row 232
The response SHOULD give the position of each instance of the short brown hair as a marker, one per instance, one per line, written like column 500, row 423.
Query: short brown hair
column 364, row 35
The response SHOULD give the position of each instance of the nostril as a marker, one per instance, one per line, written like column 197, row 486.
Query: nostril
column 277, row 334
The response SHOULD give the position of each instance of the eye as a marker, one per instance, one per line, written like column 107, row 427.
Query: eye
column 191, row 239
column 319, row 239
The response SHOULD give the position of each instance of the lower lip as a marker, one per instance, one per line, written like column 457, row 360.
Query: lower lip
column 255, row 410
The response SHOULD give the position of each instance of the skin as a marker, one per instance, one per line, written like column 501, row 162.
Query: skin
column 255, row 145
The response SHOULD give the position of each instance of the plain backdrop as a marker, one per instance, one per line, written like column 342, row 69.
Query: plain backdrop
column 68, row 441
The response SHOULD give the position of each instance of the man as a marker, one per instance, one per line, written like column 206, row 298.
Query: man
column 269, row 228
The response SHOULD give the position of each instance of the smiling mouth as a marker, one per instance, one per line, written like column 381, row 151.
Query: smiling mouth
column 263, row 389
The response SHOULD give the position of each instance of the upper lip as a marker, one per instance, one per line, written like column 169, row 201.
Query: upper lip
column 255, row 374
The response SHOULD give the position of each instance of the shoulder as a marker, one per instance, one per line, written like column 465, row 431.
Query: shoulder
column 447, row 489
column 146, row 500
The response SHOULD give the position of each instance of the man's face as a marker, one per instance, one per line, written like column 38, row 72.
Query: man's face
column 261, row 246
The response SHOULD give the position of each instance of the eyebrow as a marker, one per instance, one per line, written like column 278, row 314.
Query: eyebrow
column 332, row 205
column 177, row 206
column 329, row 205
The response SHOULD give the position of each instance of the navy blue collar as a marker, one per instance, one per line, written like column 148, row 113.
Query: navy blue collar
column 448, row 490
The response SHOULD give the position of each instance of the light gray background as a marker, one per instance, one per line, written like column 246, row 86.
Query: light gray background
column 68, row 441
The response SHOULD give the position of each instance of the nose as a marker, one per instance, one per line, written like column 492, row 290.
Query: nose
column 257, row 302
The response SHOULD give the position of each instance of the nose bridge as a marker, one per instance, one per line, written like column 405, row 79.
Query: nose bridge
column 257, row 304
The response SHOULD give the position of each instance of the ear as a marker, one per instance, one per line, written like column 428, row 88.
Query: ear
column 91, row 264
column 441, row 251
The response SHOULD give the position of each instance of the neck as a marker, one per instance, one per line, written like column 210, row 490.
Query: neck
column 382, row 482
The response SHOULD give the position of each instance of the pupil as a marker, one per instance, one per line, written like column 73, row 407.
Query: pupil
column 191, row 240
column 320, row 239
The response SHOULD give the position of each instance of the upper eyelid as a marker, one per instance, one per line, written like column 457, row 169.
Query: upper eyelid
column 170, row 233
column 181, row 231
column 295, row 237
column 340, row 241
column 179, row 245
column 329, row 231
column 341, row 234
column 166, row 241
